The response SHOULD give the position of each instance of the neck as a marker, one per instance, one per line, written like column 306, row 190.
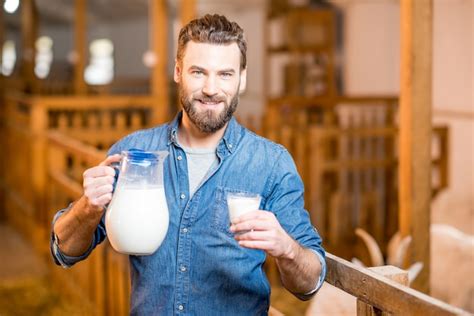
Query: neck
column 190, row 136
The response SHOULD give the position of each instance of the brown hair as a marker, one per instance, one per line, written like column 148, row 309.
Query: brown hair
column 213, row 29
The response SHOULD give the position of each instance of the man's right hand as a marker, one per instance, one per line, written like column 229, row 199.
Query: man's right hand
column 98, row 183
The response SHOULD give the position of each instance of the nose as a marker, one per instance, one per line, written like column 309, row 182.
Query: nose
column 210, row 86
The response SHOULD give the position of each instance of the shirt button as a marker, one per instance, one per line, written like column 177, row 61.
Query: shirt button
column 182, row 269
column 230, row 145
column 185, row 230
column 182, row 196
column 179, row 157
column 180, row 307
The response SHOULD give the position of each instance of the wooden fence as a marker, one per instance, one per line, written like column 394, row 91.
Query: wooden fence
column 379, row 295
column 98, row 121
column 103, row 279
column 346, row 151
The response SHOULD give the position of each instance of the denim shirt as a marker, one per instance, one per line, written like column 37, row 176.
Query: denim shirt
column 200, row 269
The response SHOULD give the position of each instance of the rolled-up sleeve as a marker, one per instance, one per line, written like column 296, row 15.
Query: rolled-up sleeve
column 286, row 200
column 67, row 261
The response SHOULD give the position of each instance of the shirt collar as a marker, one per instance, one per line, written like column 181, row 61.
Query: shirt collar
column 173, row 129
column 230, row 140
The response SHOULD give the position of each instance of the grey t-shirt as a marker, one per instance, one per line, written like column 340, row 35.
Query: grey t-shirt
column 200, row 162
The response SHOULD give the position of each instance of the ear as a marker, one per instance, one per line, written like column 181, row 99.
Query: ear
column 243, row 81
column 177, row 71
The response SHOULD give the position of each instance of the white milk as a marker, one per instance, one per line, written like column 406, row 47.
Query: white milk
column 137, row 220
column 239, row 205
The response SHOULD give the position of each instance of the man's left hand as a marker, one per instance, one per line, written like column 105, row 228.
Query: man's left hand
column 261, row 230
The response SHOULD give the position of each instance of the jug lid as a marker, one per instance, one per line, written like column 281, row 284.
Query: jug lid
column 139, row 155
column 135, row 155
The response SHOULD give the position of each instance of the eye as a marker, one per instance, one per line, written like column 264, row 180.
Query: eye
column 197, row 73
column 226, row 75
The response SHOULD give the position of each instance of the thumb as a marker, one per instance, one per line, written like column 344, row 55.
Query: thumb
column 111, row 159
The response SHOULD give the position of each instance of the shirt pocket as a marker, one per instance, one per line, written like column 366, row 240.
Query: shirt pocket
column 221, row 219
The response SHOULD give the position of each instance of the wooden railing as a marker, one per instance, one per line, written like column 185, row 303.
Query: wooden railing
column 346, row 151
column 97, row 121
column 378, row 295
column 103, row 279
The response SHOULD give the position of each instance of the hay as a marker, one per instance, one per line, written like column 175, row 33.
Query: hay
column 33, row 296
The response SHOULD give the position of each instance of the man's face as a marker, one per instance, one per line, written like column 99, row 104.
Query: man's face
column 210, row 80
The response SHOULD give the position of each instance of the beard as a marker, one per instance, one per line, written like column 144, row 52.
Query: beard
column 207, row 121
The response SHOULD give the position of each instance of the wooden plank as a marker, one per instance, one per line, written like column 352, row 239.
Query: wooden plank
column 36, row 168
column 66, row 184
column 393, row 273
column 187, row 11
column 323, row 101
column 83, row 102
column 158, row 15
column 28, row 37
column 383, row 293
column 80, row 45
column 87, row 153
column 415, row 132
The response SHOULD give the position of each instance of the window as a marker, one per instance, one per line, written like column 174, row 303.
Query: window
column 8, row 58
column 44, row 56
column 101, row 67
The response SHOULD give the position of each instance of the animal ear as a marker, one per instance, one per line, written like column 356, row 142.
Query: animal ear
column 401, row 251
column 376, row 257
column 392, row 247
column 357, row 262
column 414, row 271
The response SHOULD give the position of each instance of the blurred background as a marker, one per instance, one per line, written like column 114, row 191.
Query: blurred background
column 325, row 79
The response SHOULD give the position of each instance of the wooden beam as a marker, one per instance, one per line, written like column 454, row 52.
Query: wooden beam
column 159, row 46
column 187, row 11
column 80, row 45
column 28, row 35
column 2, row 119
column 415, row 132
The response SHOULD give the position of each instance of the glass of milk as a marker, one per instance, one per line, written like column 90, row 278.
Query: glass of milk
column 240, row 203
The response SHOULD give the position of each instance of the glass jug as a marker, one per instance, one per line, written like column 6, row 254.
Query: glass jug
column 137, row 218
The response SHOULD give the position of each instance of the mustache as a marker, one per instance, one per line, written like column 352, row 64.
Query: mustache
column 213, row 99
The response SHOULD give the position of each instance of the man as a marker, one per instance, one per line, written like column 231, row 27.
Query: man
column 205, row 265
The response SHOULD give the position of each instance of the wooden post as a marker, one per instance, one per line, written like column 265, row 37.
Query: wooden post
column 28, row 34
column 159, row 47
column 80, row 46
column 38, row 126
column 187, row 11
column 415, row 132
column 2, row 120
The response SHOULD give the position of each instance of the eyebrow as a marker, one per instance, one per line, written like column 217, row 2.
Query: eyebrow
column 195, row 67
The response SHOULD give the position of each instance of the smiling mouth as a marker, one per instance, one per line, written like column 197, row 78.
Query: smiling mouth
column 210, row 103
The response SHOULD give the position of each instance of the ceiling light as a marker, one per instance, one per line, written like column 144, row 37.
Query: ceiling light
column 11, row 6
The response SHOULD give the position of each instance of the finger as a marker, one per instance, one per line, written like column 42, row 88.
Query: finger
column 256, row 244
column 101, row 200
column 98, row 181
column 253, row 215
column 257, row 224
column 256, row 235
column 94, row 193
column 99, row 171
column 111, row 159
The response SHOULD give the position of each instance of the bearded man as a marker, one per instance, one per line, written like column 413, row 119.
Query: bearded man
column 207, row 265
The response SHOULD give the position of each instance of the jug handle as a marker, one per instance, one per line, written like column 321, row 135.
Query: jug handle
column 116, row 167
